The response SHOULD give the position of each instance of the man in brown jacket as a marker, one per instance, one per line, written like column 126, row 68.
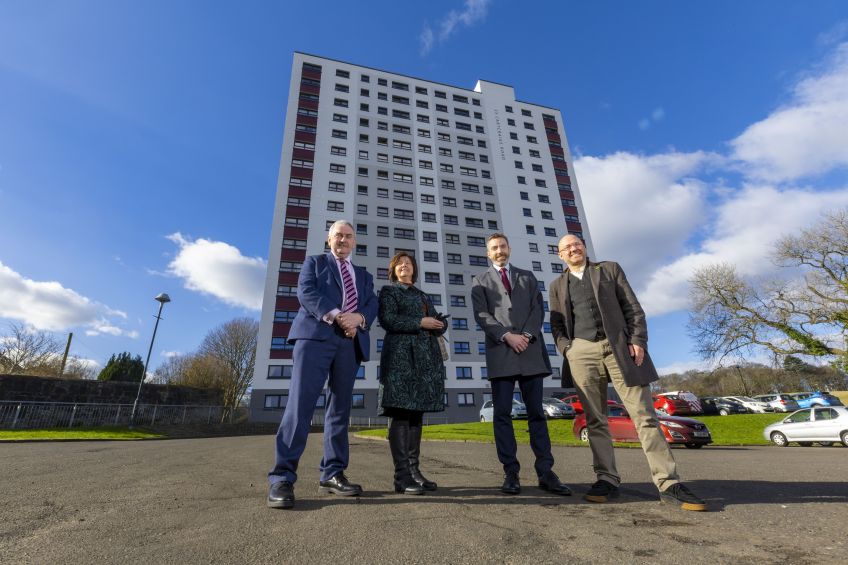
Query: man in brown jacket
column 600, row 329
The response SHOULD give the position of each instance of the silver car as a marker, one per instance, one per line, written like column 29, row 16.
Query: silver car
column 755, row 406
column 487, row 412
column 556, row 408
column 779, row 402
column 824, row 425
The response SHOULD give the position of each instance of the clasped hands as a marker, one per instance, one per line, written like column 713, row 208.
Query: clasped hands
column 517, row 342
column 349, row 322
column 431, row 323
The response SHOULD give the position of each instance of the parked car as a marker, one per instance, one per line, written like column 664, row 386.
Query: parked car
column 678, row 403
column 519, row 411
column 574, row 401
column 715, row 405
column 686, row 431
column 810, row 399
column 822, row 424
column 555, row 408
column 752, row 405
column 779, row 402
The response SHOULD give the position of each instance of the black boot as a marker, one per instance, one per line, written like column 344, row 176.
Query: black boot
column 399, row 444
column 414, row 452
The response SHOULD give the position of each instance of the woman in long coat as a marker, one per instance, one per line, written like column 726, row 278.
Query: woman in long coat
column 412, row 372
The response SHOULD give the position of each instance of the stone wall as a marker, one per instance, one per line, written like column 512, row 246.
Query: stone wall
column 47, row 389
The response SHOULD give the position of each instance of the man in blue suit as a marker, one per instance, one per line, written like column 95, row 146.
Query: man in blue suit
column 330, row 336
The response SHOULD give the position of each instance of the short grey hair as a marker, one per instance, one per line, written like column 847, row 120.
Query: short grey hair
column 337, row 224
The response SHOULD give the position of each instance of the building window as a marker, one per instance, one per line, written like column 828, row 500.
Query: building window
column 531, row 230
column 550, row 232
column 451, row 220
column 432, row 278
column 357, row 400
column 461, row 347
column 452, row 238
column 334, row 206
column 463, row 372
column 459, row 324
column 382, row 252
column 281, row 344
column 465, row 399
column 477, row 261
column 428, row 217
column 455, row 278
column 290, row 266
column 457, row 301
column 286, row 290
column 279, row 371
column 556, row 267
column 275, row 401
column 454, row 258
column 360, row 373
column 431, row 256
column 404, row 233
column 361, row 249
column 534, row 247
column 430, row 236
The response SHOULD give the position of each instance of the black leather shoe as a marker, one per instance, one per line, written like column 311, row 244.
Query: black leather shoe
column 550, row 482
column 601, row 491
column 408, row 486
column 281, row 495
column 511, row 484
column 338, row 484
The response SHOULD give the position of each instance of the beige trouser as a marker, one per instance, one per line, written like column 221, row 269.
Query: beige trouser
column 591, row 363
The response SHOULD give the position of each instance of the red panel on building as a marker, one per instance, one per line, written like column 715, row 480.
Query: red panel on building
column 280, row 329
column 574, row 226
column 287, row 278
column 293, row 254
column 287, row 303
column 310, row 88
column 570, row 210
column 304, row 136
column 305, row 154
column 308, row 104
column 280, row 354
column 295, row 233
column 563, row 179
column 557, row 151
column 301, row 191
column 309, row 73
column 553, row 137
column 307, row 120
column 297, row 212
column 301, row 173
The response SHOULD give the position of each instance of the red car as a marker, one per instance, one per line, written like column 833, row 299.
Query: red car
column 689, row 432
column 574, row 400
column 678, row 403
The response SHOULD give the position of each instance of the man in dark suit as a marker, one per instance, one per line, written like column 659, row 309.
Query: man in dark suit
column 508, row 306
column 330, row 336
column 600, row 328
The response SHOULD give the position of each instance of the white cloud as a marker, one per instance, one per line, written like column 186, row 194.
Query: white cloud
column 683, row 366
column 169, row 354
column 642, row 210
column 473, row 11
column 47, row 305
column 220, row 270
column 743, row 232
column 807, row 137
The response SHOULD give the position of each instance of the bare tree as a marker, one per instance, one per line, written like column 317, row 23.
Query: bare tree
column 804, row 316
column 233, row 346
column 29, row 352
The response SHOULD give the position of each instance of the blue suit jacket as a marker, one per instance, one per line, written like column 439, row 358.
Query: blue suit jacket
column 320, row 290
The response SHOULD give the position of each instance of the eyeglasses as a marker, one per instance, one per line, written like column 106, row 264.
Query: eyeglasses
column 342, row 236
column 570, row 246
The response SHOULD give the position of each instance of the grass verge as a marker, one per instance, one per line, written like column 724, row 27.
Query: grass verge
column 742, row 429
column 52, row 434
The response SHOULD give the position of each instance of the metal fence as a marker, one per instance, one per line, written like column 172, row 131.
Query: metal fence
column 31, row 415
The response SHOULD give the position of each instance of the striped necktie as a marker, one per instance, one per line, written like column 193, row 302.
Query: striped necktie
column 350, row 299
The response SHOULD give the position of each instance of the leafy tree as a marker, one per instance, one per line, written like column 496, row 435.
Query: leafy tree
column 803, row 316
column 123, row 367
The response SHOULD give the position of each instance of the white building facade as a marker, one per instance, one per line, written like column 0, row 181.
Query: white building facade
column 419, row 166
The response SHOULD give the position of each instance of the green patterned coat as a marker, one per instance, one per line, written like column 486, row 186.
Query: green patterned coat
column 412, row 373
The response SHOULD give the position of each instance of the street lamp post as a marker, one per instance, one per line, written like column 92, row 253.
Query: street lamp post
column 162, row 299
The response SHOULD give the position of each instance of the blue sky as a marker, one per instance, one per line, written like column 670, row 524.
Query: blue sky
column 140, row 141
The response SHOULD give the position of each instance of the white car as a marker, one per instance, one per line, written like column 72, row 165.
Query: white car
column 752, row 405
column 824, row 425
column 779, row 402
column 487, row 412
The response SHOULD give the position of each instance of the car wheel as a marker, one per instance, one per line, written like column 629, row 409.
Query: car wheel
column 694, row 445
column 844, row 438
column 780, row 440
column 805, row 443
column 825, row 443
column 584, row 434
column 722, row 412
